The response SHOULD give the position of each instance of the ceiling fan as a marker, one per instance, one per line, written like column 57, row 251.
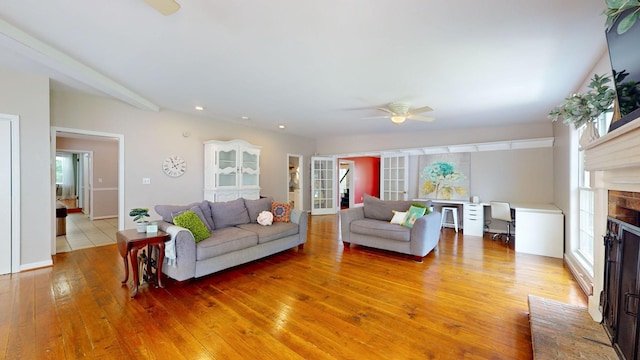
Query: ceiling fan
column 401, row 111
column 165, row 7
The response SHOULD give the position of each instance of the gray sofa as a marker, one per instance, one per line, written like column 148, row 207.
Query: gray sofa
column 369, row 226
column 236, row 237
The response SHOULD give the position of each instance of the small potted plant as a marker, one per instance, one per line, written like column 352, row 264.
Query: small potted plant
column 585, row 108
column 138, row 215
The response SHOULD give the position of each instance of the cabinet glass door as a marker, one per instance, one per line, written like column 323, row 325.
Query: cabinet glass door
column 227, row 174
column 393, row 177
column 323, row 185
column 250, row 166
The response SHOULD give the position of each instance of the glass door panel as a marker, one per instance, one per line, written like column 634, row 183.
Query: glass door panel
column 323, row 183
column 394, row 177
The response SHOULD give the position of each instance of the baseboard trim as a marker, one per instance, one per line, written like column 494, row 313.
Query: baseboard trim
column 36, row 265
column 579, row 274
column 104, row 217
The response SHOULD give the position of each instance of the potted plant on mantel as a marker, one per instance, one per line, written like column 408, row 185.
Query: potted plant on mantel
column 585, row 108
column 138, row 215
column 615, row 8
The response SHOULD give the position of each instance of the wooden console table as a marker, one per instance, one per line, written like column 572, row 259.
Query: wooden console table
column 129, row 242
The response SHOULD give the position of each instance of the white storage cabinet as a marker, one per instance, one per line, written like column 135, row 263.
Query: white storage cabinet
column 231, row 170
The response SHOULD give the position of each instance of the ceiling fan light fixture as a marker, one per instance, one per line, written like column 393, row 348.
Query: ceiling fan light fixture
column 398, row 119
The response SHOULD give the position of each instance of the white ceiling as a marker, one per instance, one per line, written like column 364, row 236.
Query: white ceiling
column 318, row 67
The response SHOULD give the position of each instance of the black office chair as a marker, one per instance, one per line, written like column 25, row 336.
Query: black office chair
column 502, row 211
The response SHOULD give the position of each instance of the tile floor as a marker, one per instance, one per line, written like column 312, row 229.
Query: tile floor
column 84, row 233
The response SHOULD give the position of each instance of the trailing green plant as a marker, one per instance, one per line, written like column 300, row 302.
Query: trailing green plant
column 139, row 214
column 615, row 8
column 581, row 108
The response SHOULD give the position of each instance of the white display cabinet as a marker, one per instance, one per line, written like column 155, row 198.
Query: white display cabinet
column 231, row 170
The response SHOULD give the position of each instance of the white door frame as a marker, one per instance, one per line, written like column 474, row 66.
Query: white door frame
column 14, row 120
column 54, row 131
column 300, row 176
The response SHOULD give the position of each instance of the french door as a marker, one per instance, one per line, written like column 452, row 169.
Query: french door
column 324, row 183
column 394, row 171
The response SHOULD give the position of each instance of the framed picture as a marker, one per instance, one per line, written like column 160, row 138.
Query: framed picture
column 444, row 176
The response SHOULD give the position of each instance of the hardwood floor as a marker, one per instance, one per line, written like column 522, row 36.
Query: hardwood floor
column 467, row 300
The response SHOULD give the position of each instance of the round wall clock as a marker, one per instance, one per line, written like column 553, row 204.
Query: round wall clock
column 174, row 166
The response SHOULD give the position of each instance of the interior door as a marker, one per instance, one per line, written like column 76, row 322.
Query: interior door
column 324, row 194
column 394, row 177
column 5, row 197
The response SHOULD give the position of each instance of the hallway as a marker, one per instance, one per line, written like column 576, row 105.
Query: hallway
column 83, row 233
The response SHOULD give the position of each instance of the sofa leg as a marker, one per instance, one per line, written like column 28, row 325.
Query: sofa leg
column 417, row 258
column 346, row 244
column 301, row 247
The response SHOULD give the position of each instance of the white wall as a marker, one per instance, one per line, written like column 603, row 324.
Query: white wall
column 28, row 97
column 149, row 137
column 518, row 176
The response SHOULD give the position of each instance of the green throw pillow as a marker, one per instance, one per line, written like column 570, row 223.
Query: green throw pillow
column 191, row 221
column 428, row 211
column 413, row 214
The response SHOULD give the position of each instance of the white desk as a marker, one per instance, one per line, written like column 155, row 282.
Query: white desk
column 472, row 215
column 539, row 228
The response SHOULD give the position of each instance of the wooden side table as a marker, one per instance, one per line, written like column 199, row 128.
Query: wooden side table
column 129, row 242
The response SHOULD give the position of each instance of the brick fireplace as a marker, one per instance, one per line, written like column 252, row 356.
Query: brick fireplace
column 614, row 163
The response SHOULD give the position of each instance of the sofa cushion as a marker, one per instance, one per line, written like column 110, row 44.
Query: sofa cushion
column 167, row 211
column 229, row 213
column 206, row 211
column 223, row 241
column 191, row 221
column 382, row 229
column 273, row 232
column 281, row 212
column 377, row 209
column 255, row 207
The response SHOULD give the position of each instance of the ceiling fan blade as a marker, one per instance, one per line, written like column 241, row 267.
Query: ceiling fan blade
column 377, row 117
column 420, row 118
column 420, row 110
column 385, row 110
column 165, row 7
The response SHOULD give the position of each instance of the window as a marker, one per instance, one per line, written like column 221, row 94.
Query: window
column 584, row 249
column 59, row 173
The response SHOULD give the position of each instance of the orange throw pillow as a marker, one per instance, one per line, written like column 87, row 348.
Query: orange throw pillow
column 281, row 212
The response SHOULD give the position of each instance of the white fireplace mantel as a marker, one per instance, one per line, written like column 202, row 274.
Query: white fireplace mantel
column 614, row 163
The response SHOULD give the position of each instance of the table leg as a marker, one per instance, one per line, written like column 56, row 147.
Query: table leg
column 126, row 269
column 159, row 262
column 133, row 257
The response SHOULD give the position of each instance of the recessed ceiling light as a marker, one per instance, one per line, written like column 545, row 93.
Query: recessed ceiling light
column 244, row 117
column 281, row 126
column 199, row 108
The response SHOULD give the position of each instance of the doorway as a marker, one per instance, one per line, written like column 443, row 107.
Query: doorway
column 88, row 192
column 294, row 180
column 346, row 183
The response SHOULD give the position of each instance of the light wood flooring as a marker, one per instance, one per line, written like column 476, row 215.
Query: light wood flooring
column 467, row 300
column 83, row 233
